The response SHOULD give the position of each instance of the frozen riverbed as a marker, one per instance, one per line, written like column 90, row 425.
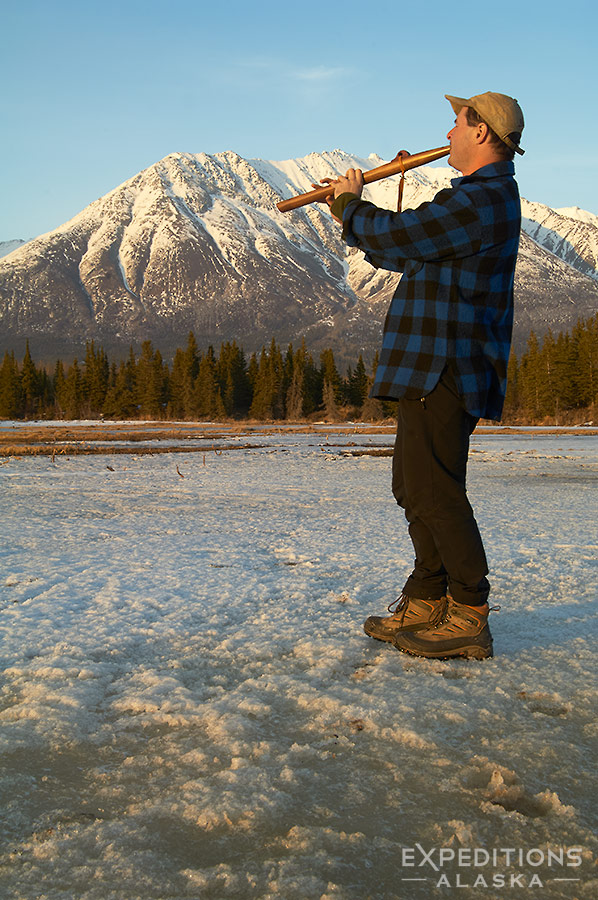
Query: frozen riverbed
column 190, row 708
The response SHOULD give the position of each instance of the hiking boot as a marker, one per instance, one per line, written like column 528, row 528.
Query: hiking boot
column 458, row 631
column 406, row 614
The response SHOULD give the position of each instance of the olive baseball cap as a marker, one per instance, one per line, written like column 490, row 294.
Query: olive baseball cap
column 501, row 113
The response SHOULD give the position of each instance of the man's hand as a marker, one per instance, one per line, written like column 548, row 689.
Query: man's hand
column 350, row 183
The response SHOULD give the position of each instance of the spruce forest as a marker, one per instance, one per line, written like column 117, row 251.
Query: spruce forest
column 555, row 381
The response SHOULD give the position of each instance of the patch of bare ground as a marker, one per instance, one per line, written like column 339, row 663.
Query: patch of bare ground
column 370, row 451
column 150, row 437
column 131, row 433
column 514, row 429
column 88, row 449
column 143, row 438
column 71, row 439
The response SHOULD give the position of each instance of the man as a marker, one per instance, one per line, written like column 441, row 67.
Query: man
column 444, row 358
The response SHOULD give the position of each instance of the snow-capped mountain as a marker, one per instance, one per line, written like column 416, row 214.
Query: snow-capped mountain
column 569, row 234
column 196, row 242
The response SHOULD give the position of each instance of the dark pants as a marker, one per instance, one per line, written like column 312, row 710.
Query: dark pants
column 428, row 481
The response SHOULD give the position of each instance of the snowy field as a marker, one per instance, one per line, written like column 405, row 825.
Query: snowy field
column 190, row 708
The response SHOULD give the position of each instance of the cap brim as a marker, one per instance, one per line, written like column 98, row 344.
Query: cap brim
column 457, row 102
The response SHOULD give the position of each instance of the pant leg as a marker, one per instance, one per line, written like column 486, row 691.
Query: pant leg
column 429, row 578
column 429, row 482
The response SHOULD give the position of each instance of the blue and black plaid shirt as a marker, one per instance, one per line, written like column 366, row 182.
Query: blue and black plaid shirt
column 454, row 302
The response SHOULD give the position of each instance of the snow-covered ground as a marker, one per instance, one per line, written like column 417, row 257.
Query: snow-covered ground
column 190, row 708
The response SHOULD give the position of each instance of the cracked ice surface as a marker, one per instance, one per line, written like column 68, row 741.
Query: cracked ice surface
column 189, row 706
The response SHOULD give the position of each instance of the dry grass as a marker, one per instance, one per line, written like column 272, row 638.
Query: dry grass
column 53, row 450
column 146, row 437
column 102, row 438
column 72, row 440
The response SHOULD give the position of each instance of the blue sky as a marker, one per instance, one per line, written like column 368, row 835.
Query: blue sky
column 93, row 92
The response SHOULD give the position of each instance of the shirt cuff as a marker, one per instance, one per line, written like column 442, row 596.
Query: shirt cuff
column 340, row 204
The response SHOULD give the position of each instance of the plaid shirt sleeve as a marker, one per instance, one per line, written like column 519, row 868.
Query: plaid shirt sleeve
column 454, row 302
column 446, row 228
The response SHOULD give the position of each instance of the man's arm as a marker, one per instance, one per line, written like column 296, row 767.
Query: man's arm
column 447, row 227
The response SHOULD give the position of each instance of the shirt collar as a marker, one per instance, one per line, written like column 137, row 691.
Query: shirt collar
column 492, row 170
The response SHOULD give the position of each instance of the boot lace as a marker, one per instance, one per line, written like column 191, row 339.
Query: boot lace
column 398, row 607
column 441, row 613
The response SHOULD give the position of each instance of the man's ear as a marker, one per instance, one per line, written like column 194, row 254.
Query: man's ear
column 482, row 133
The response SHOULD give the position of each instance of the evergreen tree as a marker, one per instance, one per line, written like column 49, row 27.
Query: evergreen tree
column 529, row 378
column 71, row 398
column 207, row 396
column 95, row 379
column 121, row 398
column 287, row 375
column 185, row 376
column 372, row 409
column 329, row 373
column 312, row 381
column 10, row 388
column 302, row 383
column 152, row 382
column 176, row 403
column 46, row 393
column 294, row 380
column 331, row 410
column 59, row 381
column 546, row 378
column 252, row 373
column 512, row 394
column 261, row 406
column 564, row 361
column 192, row 357
column 358, row 384
column 268, row 398
column 387, row 409
column 276, row 377
column 233, row 378
column 30, row 384
column 312, row 385
column 585, row 349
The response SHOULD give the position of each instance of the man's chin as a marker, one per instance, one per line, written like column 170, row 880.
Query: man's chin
column 454, row 163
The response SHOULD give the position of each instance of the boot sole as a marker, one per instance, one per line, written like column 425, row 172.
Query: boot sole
column 389, row 639
column 379, row 637
column 473, row 652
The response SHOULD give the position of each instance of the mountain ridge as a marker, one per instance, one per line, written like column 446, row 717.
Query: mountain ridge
column 195, row 242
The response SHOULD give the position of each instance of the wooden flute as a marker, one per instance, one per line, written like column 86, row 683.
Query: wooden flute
column 394, row 167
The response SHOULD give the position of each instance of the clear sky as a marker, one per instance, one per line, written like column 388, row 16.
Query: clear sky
column 93, row 92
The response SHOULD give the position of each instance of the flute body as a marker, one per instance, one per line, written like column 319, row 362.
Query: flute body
column 384, row 171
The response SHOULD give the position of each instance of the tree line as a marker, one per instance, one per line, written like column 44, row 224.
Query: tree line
column 271, row 384
column 554, row 381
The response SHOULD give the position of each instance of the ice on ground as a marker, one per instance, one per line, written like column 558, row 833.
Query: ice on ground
column 189, row 706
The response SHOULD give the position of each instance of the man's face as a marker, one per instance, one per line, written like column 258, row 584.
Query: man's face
column 463, row 144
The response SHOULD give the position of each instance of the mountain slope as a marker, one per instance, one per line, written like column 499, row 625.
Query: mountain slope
column 7, row 247
column 196, row 242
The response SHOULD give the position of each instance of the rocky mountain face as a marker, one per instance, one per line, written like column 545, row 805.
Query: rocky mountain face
column 195, row 242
